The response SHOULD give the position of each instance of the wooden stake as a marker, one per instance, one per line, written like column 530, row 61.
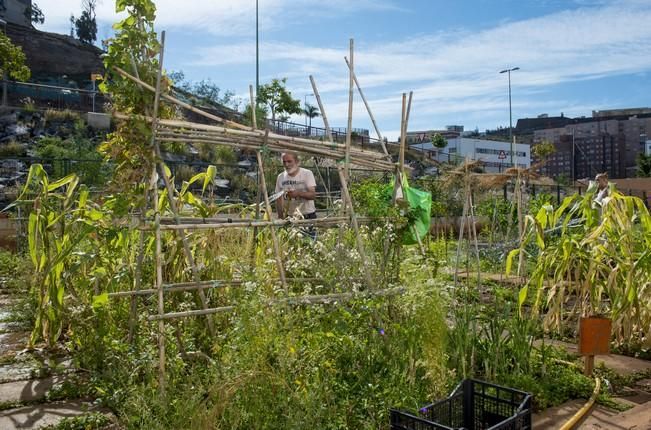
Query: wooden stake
column 254, row 125
column 349, row 128
column 353, row 220
column 158, row 252
column 322, row 110
column 368, row 109
column 298, row 301
column 179, row 102
column 279, row 261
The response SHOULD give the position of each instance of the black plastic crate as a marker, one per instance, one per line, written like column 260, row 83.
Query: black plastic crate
column 473, row 405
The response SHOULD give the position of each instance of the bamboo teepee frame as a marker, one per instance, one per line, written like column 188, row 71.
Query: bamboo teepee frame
column 240, row 136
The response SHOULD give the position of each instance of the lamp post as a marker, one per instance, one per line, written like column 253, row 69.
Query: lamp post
column 257, row 56
column 510, row 114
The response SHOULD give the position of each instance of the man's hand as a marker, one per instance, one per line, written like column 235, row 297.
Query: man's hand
column 294, row 194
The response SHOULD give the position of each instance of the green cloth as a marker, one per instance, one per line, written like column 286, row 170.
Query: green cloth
column 420, row 209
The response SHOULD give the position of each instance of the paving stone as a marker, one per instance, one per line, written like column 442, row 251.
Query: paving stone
column 27, row 391
column 18, row 372
column 621, row 364
column 13, row 341
column 553, row 418
column 37, row 416
column 602, row 418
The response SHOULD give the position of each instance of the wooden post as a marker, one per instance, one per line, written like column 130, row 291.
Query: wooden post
column 349, row 128
column 137, row 282
column 181, row 233
column 158, row 240
column 180, row 103
column 353, row 220
column 368, row 108
column 254, row 124
column 274, row 238
column 323, row 114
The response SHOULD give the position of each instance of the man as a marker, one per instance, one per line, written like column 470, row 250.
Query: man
column 299, row 189
column 602, row 187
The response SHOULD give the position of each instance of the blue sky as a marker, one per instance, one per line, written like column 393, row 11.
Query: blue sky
column 575, row 56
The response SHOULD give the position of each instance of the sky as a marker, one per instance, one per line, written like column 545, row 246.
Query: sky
column 575, row 56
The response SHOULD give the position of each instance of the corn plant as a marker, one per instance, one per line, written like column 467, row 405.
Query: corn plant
column 590, row 258
column 54, row 230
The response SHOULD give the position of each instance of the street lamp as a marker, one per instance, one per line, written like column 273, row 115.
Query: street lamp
column 510, row 114
column 257, row 56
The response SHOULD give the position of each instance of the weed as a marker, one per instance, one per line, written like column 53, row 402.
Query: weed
column 12, row 149
column 90, row 421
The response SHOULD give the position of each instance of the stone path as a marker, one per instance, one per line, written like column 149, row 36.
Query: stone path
column 638, row 397
column 26, row 378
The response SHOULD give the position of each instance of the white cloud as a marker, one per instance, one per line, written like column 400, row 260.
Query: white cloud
column 219, row 17
column 450, row 73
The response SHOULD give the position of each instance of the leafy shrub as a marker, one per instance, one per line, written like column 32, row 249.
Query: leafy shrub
column 12, row 149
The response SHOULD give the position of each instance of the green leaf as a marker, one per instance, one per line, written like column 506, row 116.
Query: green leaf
column 509, row 260
column 211, row 172
column 61, row 182
column 100, row 301
column 522, row 295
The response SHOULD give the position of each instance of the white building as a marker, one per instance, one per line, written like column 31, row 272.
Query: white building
column 496, row 155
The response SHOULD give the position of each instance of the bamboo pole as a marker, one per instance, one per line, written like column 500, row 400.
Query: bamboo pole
column 323, row 115
column 374, row 164
column 247, row 222
column 179, row 102
column 368, row 108
column 158, row 239
column 353, row 219
column 349, row 128
column 206, row 285
column 319, row 222
column 274, row 238
column 254, row 124
column 298, row 300
column 188, row 130
column 180, row 232
column 138, row 275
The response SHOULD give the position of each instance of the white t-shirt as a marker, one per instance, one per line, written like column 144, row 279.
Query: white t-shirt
column 302, row 181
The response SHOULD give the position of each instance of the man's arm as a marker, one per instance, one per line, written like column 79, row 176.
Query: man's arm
column 310, row 194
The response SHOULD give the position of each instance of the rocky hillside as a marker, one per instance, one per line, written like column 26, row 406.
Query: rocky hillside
column 45, row 51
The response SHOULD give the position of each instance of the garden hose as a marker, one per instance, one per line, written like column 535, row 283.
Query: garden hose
column 581, row 412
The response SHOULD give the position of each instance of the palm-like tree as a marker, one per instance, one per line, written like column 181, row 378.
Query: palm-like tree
column 311, row 111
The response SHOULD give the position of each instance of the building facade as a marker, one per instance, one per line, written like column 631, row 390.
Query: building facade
column 595, row 145
column 495, row 155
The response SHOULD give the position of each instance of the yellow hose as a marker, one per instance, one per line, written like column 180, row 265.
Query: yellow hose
column 581, row 412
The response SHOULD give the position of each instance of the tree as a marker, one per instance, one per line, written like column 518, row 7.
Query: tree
column 260, row 116
column 12, row 60
column 205, row 89
column 311, row 111
column 439, row 141
column 34, row 14
column 278, row 99
column 87, row 24
column 543, row 150
column 644, row 165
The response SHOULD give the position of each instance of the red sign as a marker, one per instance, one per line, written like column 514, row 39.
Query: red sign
column 502, row 155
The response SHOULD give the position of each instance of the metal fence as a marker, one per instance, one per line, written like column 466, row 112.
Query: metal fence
column 26, row 94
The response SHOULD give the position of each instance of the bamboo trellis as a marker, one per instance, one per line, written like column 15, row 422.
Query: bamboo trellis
column 243, row 137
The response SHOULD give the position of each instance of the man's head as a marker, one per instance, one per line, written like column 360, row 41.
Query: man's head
column 602, row 180
column 290, row 162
